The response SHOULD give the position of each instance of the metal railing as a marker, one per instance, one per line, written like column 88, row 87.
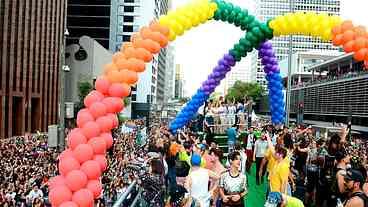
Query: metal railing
column 124, row 196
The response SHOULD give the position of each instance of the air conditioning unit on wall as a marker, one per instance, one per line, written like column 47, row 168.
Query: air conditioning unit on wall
column 52, row 133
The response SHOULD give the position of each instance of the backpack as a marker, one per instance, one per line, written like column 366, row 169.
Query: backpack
column 362, row 196
column 182, row 168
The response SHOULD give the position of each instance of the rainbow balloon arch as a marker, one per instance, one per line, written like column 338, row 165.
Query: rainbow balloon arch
column 83, row 162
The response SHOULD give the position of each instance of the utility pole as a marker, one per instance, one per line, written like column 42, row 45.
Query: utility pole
column 288, row 92
column 63, row 68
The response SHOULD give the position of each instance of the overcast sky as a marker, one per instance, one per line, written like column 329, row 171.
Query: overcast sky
column 199, row 49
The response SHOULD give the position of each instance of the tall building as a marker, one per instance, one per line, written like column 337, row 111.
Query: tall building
column 240, row 72
column 89, row 18
column 31, row 38
column 127, row 16
column 268, row 9
column 179, row 82
column 170, row 74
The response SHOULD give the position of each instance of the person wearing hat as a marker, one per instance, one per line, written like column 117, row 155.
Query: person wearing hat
column 277, row 199
column 354, row 182
column 197, row 181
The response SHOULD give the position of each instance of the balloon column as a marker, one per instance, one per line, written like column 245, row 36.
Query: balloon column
column 83, row 162
column 275, row 96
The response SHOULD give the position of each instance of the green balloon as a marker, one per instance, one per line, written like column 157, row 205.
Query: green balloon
column 243, row 27
column 238, row 19
column 232, row 17
column 245, row 12
column 266, row 30
column 251, row 37
column 237, row 10
column 217, row 15
column 253, row 24
column 246, row 43
column 236, row 54
column 250, row 18
column 240, row 48
column 257, row 31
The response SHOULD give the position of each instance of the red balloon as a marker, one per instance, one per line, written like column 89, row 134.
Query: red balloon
column 102, row 85
column 56, row 181
column 95, row 187
column 105, row 123
column 69, row 204
column 75, row 139
column 68, row 164
column 92, row 169
column 92, row 97
column 115, row 120
column 91, row 129
column 83, row 197
column 108, row 139
column 76, row 180
column 361, row 54
column 83, row 117
column 98, row 109
column 102, row 161
column 98, row 145
column 113, row 104
column 119, row 90
column 83, row 152
column 65, row 153
column 59, row 195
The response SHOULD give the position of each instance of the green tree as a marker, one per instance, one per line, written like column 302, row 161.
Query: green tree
column 241, row 90
column 84, row 87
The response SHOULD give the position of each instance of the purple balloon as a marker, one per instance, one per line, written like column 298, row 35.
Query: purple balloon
column 216, row 74
column 266, row 45
column 270, row 53
column 229, row 57
column 211, row 81
column 265, row 60
column 223, row 62
column 221, row 68
column 275, row 68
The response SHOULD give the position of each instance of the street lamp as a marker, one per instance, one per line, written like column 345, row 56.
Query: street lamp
column 288, row 92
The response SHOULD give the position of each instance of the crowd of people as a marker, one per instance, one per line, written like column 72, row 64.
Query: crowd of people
column 189, row 170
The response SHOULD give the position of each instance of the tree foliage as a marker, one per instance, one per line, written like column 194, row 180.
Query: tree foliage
column 241, row 90
column 84, row 87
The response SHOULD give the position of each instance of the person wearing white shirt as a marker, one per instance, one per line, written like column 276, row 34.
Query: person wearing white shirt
column 35, row 193
column 260, row 148
column 231, row 114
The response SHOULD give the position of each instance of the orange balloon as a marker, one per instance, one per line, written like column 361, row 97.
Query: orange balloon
column 137, row 42
column 131, row 52
column 349, row 46
column 144, row 55
column 129, row 77
column 110, row 67
column 122, row 64
column 151, row 46
column 348, row 36
column 125, row 46
column 157, row 27
column 147, row 33
column 336, row 30
column 346, row 25
column 360, row 31
column 337, row 40
column 359, row 43
column 117, row 56
column 136, row 65
column 134, row 37
column 115, row 76
column 361, row 54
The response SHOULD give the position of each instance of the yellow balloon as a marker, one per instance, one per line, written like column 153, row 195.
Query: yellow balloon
column 213, row 7
column 164, row 20
column 183, row 21
column 176, row 27
column 172, row 35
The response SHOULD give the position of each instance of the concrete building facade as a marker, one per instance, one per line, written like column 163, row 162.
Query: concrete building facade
column 31, row 39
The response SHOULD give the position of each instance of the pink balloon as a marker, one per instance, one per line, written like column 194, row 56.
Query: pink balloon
column 105, row 123
column 119, row 90
column 69, row 204
column 95, row 187
column 98, row 145
column 102, row 85
column 115, row 120
column 108, row 139
column 92, row 97
column 68, row 164
column 83, row 117
column 66, row 153
column 113, row 104
column 83, row 197
column 75, row 139
column 76, row 180
column 59, row 195
column 92, row 169
column 56, row 181
column 97, row 109
column 91, row 129
column 102, row 161
column 83, row 152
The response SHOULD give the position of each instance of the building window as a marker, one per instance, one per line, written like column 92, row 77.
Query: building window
column 126, row 38
column 128, row 28
column 128, row 19
column 134, row 97
column 128, row 8
column 128, row 1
